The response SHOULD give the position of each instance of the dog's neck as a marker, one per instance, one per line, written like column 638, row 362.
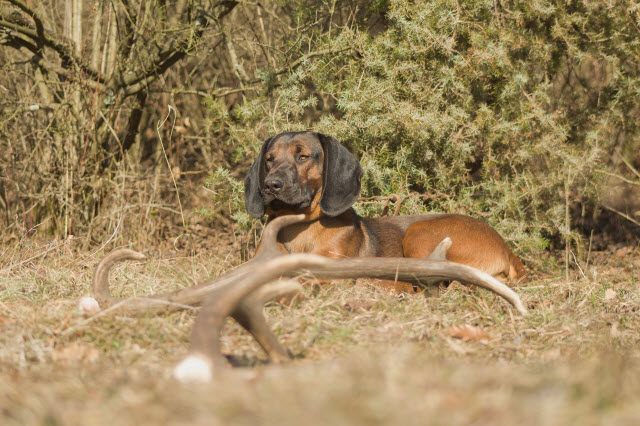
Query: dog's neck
column 318, row 234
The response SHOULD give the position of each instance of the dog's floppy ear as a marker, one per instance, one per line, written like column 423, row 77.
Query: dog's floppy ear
column 253, row 183
column 340, row 177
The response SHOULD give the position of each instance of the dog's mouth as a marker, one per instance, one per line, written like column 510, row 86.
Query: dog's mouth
column 279, row 205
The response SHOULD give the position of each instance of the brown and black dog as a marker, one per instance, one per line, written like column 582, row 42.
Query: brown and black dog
column 313, row 174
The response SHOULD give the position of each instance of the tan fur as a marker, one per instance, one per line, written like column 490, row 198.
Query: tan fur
column 348, row 235
column 474, row 243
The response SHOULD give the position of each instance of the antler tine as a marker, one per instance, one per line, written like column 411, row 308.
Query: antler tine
column 191, row 296
column 249, row 313
column 101, row 276
column 269, row 242
column 232, row 300
column 440, row 252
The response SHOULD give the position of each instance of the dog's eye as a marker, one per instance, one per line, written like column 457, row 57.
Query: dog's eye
column 302, row 158
column 269, row 161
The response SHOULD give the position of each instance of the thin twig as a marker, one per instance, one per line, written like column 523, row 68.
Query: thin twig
column 166, row 158
column 617, row 176
column 626, row 216
column 202, row 93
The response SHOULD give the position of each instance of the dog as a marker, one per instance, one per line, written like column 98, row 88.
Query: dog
column 313, row 174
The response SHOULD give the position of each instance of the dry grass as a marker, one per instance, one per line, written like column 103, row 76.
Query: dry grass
column 363, row 356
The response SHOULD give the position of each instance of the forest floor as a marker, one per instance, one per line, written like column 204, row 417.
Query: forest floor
column 362, row 356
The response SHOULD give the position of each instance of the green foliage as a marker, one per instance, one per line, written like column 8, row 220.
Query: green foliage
column 227, row 194
column 492, row 109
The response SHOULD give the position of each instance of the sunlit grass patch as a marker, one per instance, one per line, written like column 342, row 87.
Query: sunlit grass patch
column 361, row 355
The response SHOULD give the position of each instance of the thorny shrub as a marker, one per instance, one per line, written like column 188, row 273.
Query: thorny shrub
column 497, row 109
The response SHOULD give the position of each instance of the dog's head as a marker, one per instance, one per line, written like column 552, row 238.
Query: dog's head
column 302, row 172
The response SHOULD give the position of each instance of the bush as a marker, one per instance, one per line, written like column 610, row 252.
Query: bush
column 492, row 109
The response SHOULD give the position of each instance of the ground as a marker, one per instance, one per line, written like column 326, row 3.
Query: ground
column 362, row 356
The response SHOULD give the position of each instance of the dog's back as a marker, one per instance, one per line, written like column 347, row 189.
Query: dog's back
column 474, row 243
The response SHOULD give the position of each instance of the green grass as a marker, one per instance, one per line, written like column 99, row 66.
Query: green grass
column 361, row 356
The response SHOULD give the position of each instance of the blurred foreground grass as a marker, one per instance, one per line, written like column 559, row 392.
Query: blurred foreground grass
column 363, row 356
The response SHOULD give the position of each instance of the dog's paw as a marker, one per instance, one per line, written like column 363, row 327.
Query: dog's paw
column 88, row 305
column 195, row 368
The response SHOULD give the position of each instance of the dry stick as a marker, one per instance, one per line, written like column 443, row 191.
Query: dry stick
column 387, row 199
column 399, row 201
column 124, row 177
column 396, row 198
column 300, row 60
column 589, row 251
column 635, row 172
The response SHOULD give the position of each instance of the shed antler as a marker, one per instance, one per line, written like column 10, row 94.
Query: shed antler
column 242, row 292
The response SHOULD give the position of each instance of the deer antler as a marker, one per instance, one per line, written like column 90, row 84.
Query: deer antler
column 242, row 292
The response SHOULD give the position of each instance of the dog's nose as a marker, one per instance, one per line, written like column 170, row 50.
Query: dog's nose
column 273, row 185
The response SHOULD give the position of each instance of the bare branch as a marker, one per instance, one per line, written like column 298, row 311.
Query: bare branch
column 617, row 176
column 31, row 51
column 41, row 38
column 33, row 15
column 222, row 92
column 174, row 51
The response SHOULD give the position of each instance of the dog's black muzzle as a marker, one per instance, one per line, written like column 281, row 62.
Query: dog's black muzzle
column 283, row 190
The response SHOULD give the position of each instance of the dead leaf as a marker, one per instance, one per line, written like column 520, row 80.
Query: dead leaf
column 75, row 352
column 468, row 332
column 610, row 295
